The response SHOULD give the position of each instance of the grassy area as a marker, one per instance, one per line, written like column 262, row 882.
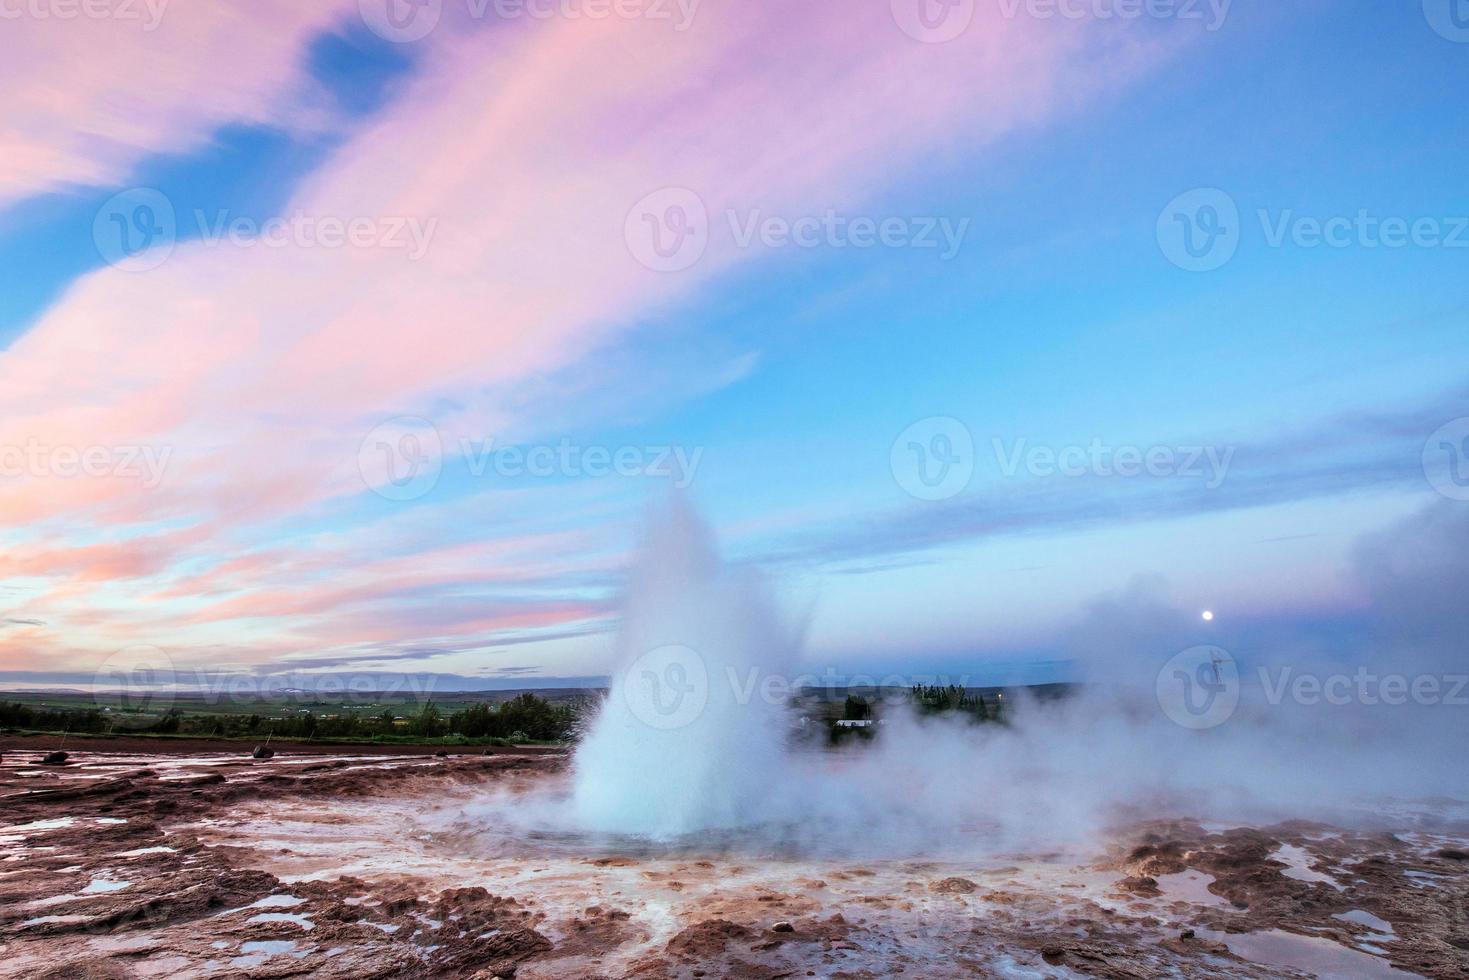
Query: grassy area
column 522, row 717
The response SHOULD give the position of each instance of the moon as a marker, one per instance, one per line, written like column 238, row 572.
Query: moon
column 1208, row 615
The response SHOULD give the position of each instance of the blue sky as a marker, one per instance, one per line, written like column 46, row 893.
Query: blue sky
column 1060, row 321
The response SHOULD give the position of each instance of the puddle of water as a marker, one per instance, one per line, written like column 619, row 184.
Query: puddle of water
column 101, row 886
column 58, row 823
column 1367, row 919
column 294, row 917
column 1012, row 969
column 41, row 903
column 1190, row 886
column 46, row 919
column 1299, row 861
column 140, row 851
column 256, row 953
column 276, row 902
column 1312, row 954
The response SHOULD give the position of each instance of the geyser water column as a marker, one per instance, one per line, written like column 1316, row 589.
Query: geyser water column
column 687, row 739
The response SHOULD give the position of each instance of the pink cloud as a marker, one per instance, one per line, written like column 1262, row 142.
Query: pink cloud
column 88, row 97
column 523, row 148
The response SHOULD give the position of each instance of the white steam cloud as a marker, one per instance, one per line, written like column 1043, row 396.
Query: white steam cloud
column 688, row 753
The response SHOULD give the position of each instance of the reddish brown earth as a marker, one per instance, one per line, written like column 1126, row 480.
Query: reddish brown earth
column 120, row 865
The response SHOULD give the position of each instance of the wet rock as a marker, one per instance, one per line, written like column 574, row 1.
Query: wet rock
column 1144, row 885
column 87, row 969
column 708, row 937
column 953, row 886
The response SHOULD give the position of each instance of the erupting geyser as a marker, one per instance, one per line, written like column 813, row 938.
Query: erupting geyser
column 686, row 740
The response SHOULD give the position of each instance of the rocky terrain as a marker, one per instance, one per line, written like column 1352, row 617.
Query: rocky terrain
column 126, row 865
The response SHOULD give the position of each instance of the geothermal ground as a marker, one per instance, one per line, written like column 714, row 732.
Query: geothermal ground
column 123, row 865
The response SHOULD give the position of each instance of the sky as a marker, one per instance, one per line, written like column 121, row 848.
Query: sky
column 365, row 336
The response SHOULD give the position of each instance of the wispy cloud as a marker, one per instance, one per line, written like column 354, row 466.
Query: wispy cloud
column 1348, row 452
column 87, row 97
column 260, row 370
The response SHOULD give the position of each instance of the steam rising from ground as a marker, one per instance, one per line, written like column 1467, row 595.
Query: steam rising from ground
column 673, row 749
column 688, row 753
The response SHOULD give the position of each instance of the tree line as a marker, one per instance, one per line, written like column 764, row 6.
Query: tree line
column 933, row 699
column 526, row 717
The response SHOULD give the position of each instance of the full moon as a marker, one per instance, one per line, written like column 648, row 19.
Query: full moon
column 1208, row 615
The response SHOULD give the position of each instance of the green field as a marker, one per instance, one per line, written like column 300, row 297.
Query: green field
column 498, row 717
